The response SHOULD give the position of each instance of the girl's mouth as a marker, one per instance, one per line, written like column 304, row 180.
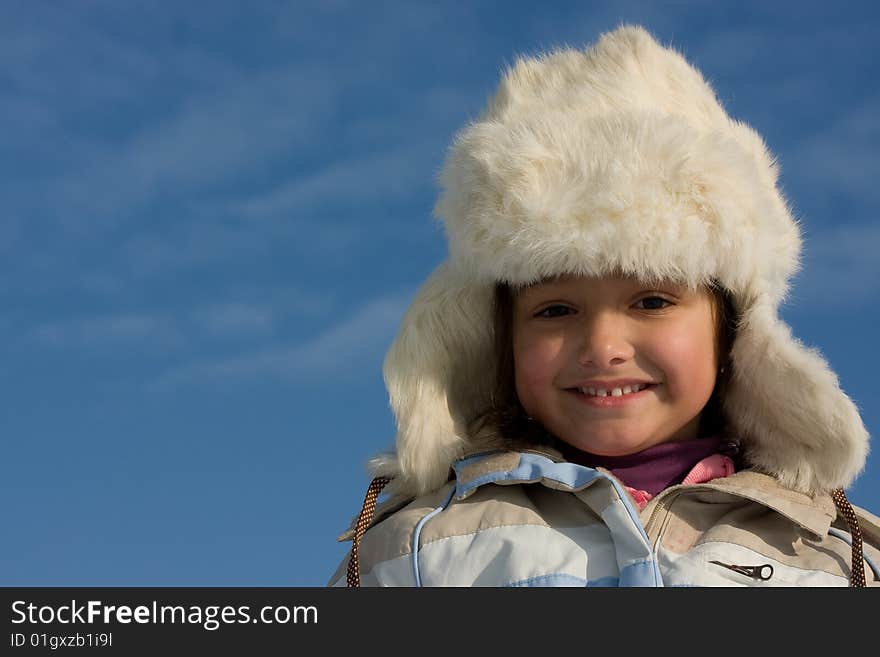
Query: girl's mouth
column 611, row 400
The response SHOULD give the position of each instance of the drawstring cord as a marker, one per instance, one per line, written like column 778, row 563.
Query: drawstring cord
column 857, row 571
column 365, row 517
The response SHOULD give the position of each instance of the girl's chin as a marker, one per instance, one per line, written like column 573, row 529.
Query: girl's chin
column 610, row 446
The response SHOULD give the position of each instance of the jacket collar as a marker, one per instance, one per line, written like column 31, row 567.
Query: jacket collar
column 546, row 466
column 814, row 513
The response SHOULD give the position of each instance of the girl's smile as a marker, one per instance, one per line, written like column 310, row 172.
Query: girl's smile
column 613, row 397
column 612, row 366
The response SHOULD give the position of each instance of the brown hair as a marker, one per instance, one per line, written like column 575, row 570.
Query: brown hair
column 509, row 418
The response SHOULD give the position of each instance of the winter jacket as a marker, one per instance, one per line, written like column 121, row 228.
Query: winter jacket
column 530, row 519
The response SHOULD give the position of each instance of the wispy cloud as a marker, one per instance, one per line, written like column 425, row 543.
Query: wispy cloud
column 390, row 176
column 751, row 45
column 152, row 252
column 141, row 119
column 161, row 254
column 840, row 269
column 11, row 230
column 157, row 331
column 211, row 138
column 382, row 175
column 140, row 154
column 236, row 319
column 339, row 354
column 60, row 52
column 156, row 137
column 844, row 156
column 250, row 315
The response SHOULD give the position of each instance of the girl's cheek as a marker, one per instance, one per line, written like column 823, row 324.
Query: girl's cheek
column 536, row 360
column 534, row 374
column 686, row 357
column 529, row 369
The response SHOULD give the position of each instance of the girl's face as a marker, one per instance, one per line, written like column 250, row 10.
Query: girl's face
column 576, row 333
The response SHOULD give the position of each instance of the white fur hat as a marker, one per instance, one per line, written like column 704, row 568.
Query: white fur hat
column 617, row 158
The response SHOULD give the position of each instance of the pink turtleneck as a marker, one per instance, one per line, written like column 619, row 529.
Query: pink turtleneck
column 646, row 473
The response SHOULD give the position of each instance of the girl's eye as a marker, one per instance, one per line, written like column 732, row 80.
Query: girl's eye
column 652, row 303
column 554, row 311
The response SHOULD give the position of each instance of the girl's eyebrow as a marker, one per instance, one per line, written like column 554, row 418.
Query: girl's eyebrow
column 662, row 287
column 659, row 286
column 540, row 289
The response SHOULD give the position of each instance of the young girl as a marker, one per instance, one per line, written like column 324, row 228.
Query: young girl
column 596, row 388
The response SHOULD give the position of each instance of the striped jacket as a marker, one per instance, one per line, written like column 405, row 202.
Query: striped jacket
column 530, row 519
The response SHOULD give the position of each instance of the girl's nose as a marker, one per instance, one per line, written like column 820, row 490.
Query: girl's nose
column 603, row 341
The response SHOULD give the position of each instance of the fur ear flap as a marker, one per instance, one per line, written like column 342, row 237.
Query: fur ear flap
column 440, row 374
column 787, row 405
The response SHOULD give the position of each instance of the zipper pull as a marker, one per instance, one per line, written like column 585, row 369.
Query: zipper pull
column 762, row 572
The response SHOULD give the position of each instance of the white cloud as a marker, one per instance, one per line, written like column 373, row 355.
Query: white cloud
column 840, row 268
column 844, row 156
column 389, row 176
column 176, row 116
column 194, row 243
column 245, row 314
column 236, row 318
column 11, row 230
column 210, row 138
column 158, row 331
column 101, row 283
column 339, row 355
column 120, row 127
column 60, row 53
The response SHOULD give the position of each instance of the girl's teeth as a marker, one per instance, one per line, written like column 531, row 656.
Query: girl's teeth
column 615, row 392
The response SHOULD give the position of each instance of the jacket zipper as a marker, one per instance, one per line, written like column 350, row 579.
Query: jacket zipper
column 663, row 505
column 762, row 572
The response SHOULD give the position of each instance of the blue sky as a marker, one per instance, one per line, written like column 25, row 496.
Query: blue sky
column 216, row 213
